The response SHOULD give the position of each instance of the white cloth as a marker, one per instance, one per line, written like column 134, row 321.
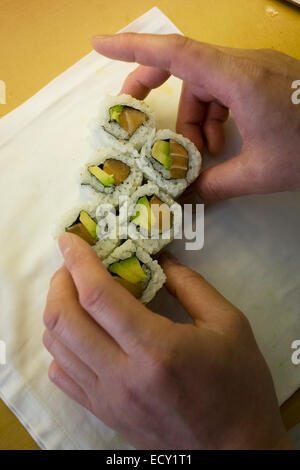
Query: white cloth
column 251, row 250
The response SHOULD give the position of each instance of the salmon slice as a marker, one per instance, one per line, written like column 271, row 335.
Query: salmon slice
column 180, row 158
column 131, row 119
column 162, row 214
column 117, row 169
column 80, row 230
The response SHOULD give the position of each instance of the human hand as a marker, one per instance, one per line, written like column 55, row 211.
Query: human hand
column 161, row 384
column 254, row 84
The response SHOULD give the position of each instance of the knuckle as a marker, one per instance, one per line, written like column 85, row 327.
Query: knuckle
column 130, row 79
column 57, row 277
column 48, row 340
column 93, row 299
column 52, row 314
column 130, row 394
column 180, row 42
column 211, row 189
column 162, row 366
column 54, row 373
column 255, row 76
column 164, row 370
column 185, row 277
column 188, row 274
column 54, row 276
column 238, row 325
column 91, row 386
column 261, row 74
column 179, row 45
column 255, row 169
column 241, row 321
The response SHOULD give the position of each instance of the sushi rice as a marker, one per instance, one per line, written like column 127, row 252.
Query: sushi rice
column 104, row 132
column 155, row 275
column 156, row 172
column 112, row 141
column 101, row 194
column 103, row 247
column 151, row 245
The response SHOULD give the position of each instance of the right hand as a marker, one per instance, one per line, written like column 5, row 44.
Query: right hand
column 162, row 384
column 256, row 85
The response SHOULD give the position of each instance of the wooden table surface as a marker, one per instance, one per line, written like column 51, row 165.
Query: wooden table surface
column 42, row 38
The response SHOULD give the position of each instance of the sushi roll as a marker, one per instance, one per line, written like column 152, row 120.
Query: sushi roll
column 109, row 175
column 122, row 120
column 151, row 218
column 134, row 269
column 170, row 160
column 81, row 220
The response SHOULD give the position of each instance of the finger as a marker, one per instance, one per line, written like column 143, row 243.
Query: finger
column 233, row 178
column 199, row 298
column 213, row 127
column 142, row 80
column 79, row 372
column 191, row 116
column 72, row 326
column 198, row 63
column 58, row 376
column 117, row 311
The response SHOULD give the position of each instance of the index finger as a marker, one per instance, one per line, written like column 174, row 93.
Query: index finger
column 195, row 62
column 71, row 326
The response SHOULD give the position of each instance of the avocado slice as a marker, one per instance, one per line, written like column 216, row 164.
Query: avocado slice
column 161, row 153
column 104, row 178
column 129, row 269
column 115, row 112
column 143, row 216
column 88, row 223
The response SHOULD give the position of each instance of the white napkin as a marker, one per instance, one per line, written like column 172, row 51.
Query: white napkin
column 251, row 250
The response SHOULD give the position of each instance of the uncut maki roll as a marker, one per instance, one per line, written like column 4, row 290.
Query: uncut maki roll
column 150, row 217
column 109, row 175
column 122, row 120
column 134, row 269
column 81, row 221
column 170, row 160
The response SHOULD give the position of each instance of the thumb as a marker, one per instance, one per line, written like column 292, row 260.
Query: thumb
column 232, row 178
column 199, row 298
column 122, row 316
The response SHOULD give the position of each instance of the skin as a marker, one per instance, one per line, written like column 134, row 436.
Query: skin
column 161, row 384
column 256, row 85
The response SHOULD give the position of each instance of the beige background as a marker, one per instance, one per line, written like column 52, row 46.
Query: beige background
column 42, row 38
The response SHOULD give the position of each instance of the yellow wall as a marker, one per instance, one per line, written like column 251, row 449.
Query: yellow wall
column 39, row 39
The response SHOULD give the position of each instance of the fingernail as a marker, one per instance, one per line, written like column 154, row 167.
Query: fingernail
column 167, row 259
column 65, row 243
column 100, row 37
